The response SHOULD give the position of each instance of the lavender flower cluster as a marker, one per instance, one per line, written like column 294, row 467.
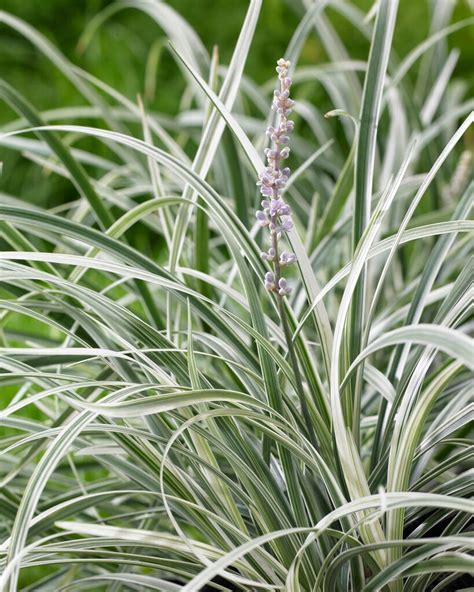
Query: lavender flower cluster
column 275, row 213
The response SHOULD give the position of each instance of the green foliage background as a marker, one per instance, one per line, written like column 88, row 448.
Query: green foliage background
column 118, row 55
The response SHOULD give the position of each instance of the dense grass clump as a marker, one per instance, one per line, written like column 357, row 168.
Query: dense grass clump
column 166, row 422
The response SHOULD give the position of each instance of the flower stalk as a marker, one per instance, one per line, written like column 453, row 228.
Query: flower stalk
column 276, row 216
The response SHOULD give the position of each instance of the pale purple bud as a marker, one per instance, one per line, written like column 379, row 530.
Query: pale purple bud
column 265, row 179
column 270, row 154
column 275, row 206
column 262, row 218
column 285, row 152
column 283, row 286
column 270, row 281
column 269, row 255
column 269, row 277
column 287, row 258
column 287, row 225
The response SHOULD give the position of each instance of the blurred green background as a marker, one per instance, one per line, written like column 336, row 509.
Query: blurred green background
column 119, row 51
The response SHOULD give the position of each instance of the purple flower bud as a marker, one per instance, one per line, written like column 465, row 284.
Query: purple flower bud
column 270, row 281
column 269, row 277
column 266, row 179
column 287, row 225
column 269, row 255
column 270, row 154
column 279, row 208
column 283, row 286
column 274, row 228
column 262, row 218
column 285, row 152
column 287, row 258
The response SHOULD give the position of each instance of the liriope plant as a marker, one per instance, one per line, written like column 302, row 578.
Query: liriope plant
column 182, row 411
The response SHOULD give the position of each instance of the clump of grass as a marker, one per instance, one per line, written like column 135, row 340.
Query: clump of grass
column 166, row 425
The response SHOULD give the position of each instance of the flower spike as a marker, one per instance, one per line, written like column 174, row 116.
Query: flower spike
column 276, row 214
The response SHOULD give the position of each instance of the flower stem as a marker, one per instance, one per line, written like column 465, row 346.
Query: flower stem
column 291, row 350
